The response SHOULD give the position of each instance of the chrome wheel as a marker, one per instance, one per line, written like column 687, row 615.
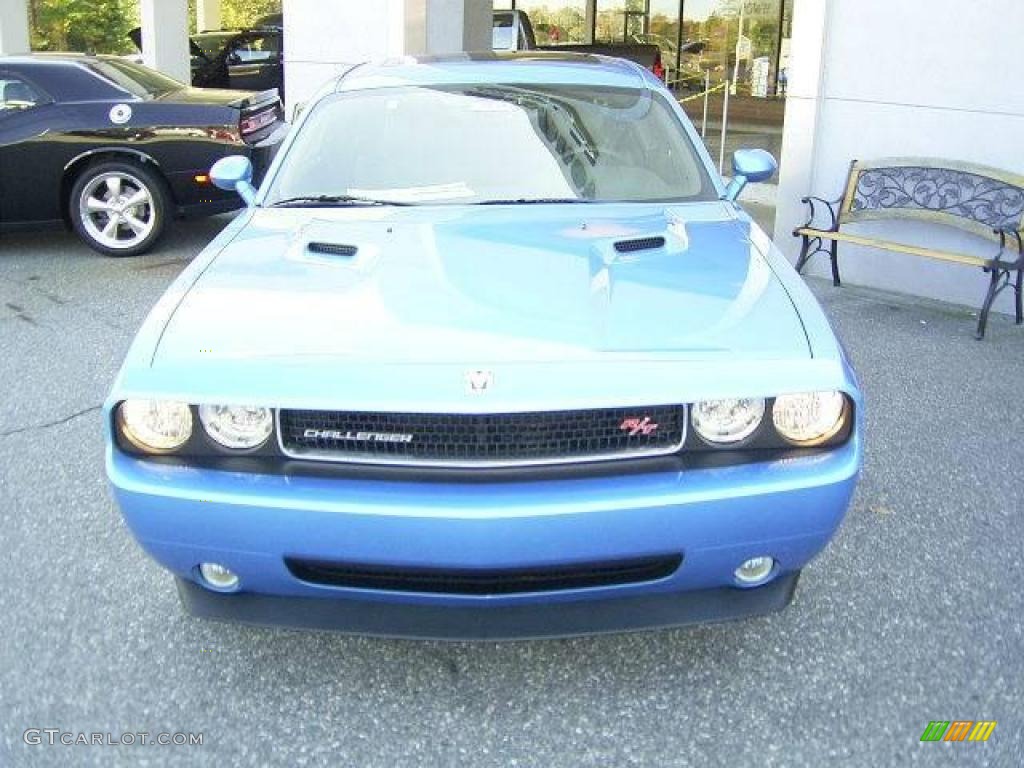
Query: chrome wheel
column 116, row 209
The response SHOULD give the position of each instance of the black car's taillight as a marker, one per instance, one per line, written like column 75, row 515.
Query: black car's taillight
column 255, row 123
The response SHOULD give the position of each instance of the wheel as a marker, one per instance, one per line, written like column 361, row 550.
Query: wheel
column 119, row 208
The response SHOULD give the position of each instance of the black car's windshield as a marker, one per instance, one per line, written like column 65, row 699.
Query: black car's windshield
column 133, row 78
column 211, row 44
column 494, row 143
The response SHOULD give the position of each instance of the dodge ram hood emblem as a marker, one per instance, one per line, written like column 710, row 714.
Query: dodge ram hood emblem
column 478, row 382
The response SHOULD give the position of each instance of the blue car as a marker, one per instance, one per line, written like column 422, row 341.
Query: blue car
column 491, row 353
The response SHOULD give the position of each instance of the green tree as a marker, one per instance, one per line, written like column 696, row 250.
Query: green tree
column 93, row 26
column 243, row 13
column 102, row 26
column 238, row 14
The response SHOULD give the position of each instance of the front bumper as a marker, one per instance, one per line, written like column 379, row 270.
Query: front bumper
column 715, row 518
column 491, row 622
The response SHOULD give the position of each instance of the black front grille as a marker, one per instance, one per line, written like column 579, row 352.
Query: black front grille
column 483, row 439
column 484, row 581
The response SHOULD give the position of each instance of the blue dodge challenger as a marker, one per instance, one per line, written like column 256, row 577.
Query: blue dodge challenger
column 492, row 352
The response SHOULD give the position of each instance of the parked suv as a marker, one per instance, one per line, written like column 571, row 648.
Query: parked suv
column 239, row 59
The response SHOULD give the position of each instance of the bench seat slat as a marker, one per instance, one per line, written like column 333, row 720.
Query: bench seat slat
column 957, row 258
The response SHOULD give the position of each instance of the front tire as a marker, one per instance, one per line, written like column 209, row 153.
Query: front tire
column 119, row 208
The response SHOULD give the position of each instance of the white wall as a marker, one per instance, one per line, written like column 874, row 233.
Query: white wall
column 208, row 15
column 14, row 26
column 325, row 38
column 165, row 37
column 455, row 25
column 877, row 78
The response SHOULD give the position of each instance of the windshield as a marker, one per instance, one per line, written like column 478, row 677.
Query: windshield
column 210, row 45
column 494, row 143
column 134, row 78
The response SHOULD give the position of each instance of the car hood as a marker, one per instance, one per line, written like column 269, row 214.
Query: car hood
column 509, row 284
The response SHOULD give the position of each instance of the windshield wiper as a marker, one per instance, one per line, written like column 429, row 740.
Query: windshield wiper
column 535, row 201
column 313, row 201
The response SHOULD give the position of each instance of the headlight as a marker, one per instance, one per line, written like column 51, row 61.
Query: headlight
column 727, row 421
column 155, row 426
column 237, row 426
column 810, row 418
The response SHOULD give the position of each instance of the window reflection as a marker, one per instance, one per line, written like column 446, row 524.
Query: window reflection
column 557, row 21
column 744, row 41
column 490, row 143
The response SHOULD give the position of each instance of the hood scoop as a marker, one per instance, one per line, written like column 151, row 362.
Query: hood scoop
column 332, row 249
column 639, row 244
column 333, row 244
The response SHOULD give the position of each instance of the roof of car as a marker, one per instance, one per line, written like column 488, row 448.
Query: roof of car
column 48, row 57
column 490, row 67
column 218, row 33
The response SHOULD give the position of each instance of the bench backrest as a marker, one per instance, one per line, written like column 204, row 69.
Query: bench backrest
column 974, row 198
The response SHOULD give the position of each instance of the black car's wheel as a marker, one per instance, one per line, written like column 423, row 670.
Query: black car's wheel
column 119, row 208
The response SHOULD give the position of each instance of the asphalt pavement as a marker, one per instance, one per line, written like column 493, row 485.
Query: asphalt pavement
column 914, row 613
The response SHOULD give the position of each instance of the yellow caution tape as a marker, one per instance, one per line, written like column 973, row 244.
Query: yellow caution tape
column 719, row 87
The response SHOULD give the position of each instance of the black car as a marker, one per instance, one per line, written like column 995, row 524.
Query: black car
column 114, row 149
column 247, row 59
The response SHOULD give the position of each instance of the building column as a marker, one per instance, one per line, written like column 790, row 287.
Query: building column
column 805, row 96
column 208, row 17
column 320, row 45
column 589, row 21
column 447, row 26
column 14, row 26
column 165, row 37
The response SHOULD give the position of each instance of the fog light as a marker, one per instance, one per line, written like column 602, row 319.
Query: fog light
column 218, row 576
column 754, row 570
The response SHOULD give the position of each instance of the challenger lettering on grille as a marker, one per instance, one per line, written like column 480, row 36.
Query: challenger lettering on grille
column 362, row 437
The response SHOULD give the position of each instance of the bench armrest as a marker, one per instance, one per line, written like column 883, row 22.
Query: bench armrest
column 1010, row 236
column 1010, row 240
column 813, row 203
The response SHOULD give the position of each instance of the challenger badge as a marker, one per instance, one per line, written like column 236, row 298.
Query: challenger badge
column 358, row 437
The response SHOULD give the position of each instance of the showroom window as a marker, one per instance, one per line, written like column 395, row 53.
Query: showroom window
column 745, row 41
column 556, row 23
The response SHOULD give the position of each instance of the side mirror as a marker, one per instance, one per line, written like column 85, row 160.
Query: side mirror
column 749, row 165
column 234, row 174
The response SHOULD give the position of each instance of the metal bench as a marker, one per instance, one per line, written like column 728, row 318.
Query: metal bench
column 983, row 201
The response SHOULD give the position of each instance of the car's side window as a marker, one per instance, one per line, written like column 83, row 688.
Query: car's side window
column 16, row 95
column 262, row 49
